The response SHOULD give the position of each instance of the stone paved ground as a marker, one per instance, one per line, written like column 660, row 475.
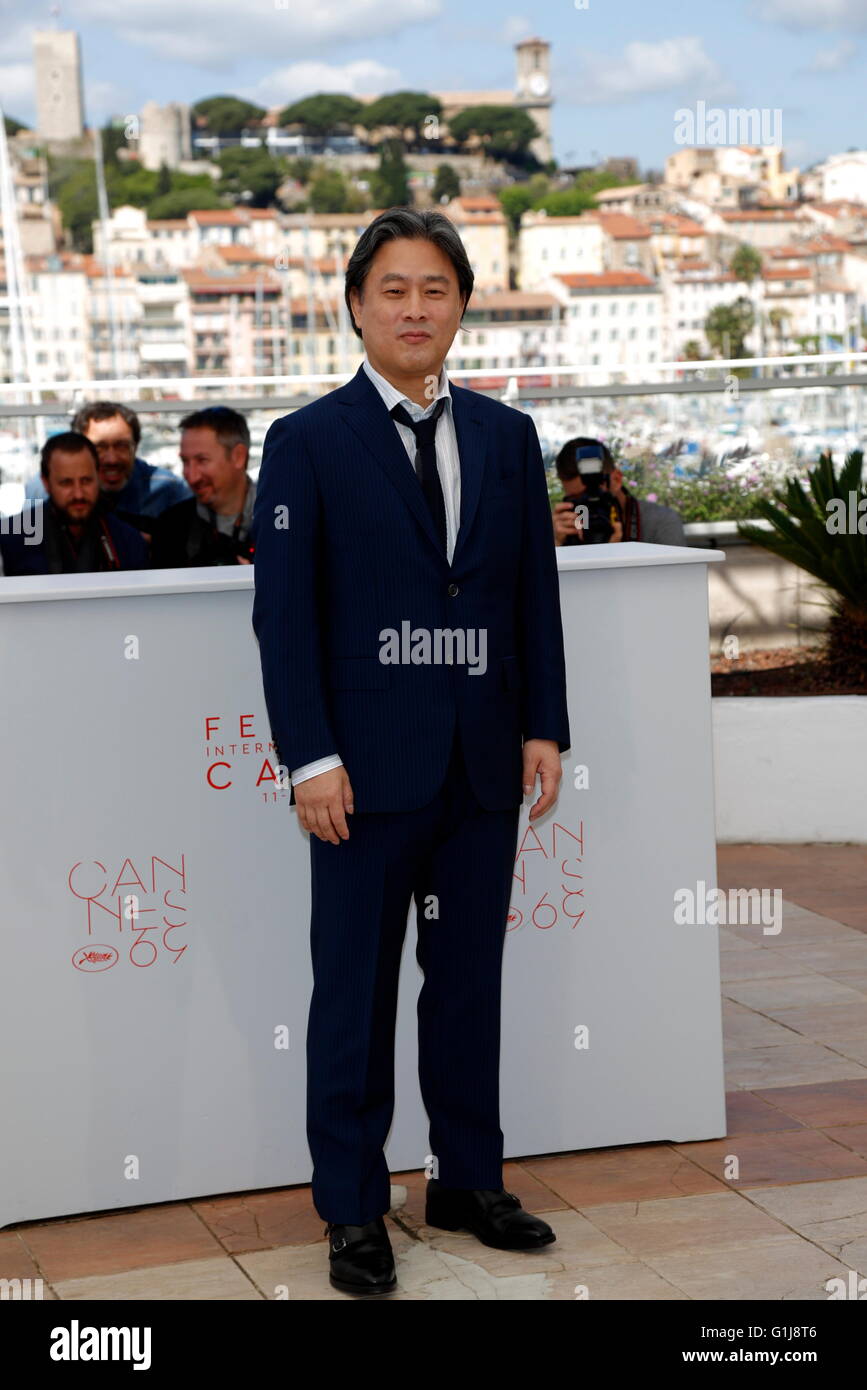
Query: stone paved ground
column 651, row 1221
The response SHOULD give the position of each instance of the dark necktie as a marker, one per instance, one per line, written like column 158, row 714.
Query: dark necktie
column 425, row 463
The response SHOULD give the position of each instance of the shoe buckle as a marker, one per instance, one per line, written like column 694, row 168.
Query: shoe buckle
column 338, row 1242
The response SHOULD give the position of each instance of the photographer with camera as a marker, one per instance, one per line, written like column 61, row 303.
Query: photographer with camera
column 598, row 509
column 213, row 526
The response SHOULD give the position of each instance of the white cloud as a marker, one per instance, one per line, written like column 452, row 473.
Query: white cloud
column 17, row 91
column 103, row 99
column 215, row 33
column 303, row 79
column 17, row 35
column 16, row 88
column 516, row 28
column 814, row 14
column 642, row 69
column 832, row 59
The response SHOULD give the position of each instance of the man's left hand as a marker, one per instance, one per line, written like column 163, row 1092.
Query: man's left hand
column 542, row 756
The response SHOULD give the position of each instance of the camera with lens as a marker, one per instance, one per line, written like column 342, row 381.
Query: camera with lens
column 226, row 550
column 596, row 499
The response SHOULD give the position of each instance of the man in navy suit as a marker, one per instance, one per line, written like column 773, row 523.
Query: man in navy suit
column 408, row 616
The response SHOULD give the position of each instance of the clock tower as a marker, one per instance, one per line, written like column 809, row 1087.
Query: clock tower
column 533, row 92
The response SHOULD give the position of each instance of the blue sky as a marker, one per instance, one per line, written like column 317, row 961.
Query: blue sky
column 621, row 68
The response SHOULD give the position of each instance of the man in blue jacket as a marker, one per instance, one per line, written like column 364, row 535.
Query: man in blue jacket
column 408, row 615
column 136, row 491
column 69, row 533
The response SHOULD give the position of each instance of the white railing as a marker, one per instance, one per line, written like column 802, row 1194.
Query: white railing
column 637, row 372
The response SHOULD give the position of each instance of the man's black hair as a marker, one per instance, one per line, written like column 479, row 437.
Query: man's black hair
column 106, row 410
column 414, row 224
column 230, row 426
column 565, row 462
column 70, row 442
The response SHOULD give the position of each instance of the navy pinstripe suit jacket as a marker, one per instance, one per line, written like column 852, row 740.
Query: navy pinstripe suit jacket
column 346, row 548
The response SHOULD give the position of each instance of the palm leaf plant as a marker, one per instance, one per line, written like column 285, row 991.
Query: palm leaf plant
column 820, row 528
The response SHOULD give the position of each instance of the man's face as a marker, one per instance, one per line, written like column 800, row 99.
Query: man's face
column 73, row 485
column 113, row 441
column 410, row 309
column 209, row 467
column 573, row 487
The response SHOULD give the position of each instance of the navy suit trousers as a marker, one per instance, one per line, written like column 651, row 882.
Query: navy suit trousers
column 456, row 859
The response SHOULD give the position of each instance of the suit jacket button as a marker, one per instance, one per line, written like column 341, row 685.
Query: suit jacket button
column 453, row 589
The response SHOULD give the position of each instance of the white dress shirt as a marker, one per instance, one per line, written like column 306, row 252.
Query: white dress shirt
column 449, row 469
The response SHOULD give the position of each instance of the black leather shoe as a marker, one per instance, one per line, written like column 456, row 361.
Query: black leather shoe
column 495, row 1217
column 361, row 1258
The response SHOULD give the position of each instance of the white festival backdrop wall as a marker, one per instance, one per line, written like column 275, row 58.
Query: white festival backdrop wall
column 155, row 894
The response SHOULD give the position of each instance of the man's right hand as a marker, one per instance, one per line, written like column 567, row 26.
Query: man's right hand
column 323, row 802
column 564, row 517
column 566, row 524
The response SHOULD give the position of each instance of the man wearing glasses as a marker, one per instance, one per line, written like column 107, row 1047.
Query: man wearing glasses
column 135, row 491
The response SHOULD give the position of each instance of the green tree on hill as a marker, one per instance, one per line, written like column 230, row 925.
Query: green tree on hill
column 331, row 192
column 727, row 326
column 403, row 111
column 746, row 263
column 446, row 184
column 113, row 139
column 503, row 132
column 225, row 115
column 250, row 171
column 536, row 194
column 389, row 184
column 184, row 200
column 326, row 113
column 164, row 179
column 519, row 198
column 130, row 183
column 300, row 168
column 72, row 186
column 565, row 202
column 595, row 180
